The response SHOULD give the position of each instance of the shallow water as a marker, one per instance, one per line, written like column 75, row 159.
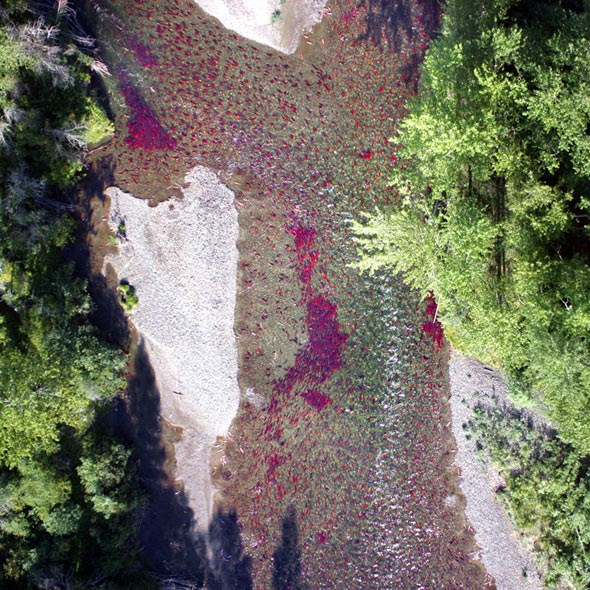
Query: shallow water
column 338, row 464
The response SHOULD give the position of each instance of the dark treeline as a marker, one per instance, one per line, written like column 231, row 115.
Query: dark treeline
column 68, row 509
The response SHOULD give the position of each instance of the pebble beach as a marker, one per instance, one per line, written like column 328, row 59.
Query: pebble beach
column 181, row 258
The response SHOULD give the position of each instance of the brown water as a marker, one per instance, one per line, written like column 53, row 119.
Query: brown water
column 338, row 466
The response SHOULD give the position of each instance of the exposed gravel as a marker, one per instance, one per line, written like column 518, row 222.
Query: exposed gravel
column 254, row 19
column 503, row 554
column 181, row 257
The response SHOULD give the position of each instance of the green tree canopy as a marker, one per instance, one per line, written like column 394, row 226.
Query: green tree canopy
column 493, row 179
column 67, row 506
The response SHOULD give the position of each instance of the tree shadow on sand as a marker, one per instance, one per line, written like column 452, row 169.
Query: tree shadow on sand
column 169, row 544
column 287, row 558
column 171, row 547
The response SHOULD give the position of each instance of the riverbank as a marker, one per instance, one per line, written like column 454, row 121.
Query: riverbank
column 502, row 551
column 181, row 259
column 279, row 24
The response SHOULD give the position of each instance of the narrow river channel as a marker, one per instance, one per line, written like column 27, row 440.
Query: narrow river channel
column 337, row 470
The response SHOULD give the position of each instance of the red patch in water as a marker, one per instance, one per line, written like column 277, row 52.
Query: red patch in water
column 144, row 128
column 320, row 357
column 433, row 327
column 142, row 53
column 316, row 399
column 307, row 258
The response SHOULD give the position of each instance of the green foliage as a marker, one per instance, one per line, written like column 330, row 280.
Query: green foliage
column 547, row 492
column 41, row 495
column 79, row 521
column 275, row 17
column 53, row 368
column 127, row 296
column 67, row 506
column 493, row 179
column 46, row 117
column 97, row 126
column 102, row 473
column 35, row 404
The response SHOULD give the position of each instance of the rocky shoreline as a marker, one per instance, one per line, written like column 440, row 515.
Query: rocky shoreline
column 502, row 551
column 181, row 259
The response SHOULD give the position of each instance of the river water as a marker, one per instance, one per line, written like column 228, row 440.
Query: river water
column 338, row 467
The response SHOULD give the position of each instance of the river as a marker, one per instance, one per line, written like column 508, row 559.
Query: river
column 337, row 471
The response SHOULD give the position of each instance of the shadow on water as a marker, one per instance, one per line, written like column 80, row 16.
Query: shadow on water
column 387, row 19
column 287, row 558
column 391, row 20
column 228, row 567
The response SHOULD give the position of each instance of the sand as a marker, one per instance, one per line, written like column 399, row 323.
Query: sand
column 279, row 24
column 502, row 551
column 181, row 257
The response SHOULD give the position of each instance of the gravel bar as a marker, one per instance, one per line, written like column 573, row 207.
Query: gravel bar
column 181, row 258
column 502, row 551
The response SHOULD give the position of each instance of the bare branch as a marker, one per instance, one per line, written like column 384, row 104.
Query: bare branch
column 72, row 136
column 99, row 67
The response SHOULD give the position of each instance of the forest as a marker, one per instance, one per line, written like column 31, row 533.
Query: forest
column 492, row 217
column 67, row 502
